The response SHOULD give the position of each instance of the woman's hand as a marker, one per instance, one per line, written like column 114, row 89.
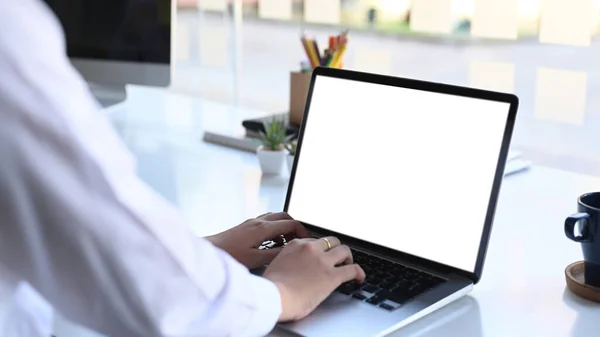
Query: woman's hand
column 242, row 242
column 307, row 271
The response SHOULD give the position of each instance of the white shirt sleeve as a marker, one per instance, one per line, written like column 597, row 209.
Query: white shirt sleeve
column 78, row 224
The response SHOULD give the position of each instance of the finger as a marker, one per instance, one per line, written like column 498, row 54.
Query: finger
column 280, row 239
column 275, row 216
column 281, row 227
column 263, row 215
column 284, row 238
column 305, row 240
column 350, row 272
column 266, row 256
column 340, row 255
column 333, row 241
column 290, row 237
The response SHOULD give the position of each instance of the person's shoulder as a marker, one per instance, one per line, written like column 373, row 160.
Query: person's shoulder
column 28, row 21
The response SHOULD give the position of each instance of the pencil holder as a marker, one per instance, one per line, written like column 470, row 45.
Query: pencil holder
column 299, row 84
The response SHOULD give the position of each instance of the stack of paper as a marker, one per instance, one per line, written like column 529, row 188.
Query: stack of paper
column 237, row 141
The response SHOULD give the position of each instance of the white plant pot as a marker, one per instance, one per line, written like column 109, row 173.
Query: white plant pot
column 271, row 162
column 290, row 162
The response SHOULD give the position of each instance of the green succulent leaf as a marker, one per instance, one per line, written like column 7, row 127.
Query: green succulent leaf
column 291, row 147
column 274, row 137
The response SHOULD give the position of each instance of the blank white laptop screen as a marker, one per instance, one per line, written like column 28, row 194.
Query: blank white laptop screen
column 406, row 169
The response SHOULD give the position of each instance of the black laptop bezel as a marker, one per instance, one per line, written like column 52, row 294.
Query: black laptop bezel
column 431, row 87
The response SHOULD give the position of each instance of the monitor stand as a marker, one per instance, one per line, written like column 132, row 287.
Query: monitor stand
column 107, row 94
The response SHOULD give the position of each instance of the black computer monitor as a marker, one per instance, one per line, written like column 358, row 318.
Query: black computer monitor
column 118, row 42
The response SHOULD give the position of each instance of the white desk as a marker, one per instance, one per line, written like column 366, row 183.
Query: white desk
column 522, row 292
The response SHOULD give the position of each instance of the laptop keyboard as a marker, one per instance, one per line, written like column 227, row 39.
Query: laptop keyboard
column 388, row 285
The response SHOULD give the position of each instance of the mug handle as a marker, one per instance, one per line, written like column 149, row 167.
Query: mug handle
column 570, row 227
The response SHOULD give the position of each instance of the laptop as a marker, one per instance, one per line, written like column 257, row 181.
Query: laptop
column 413, row 194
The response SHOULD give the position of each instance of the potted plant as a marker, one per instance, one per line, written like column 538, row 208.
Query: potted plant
column 271, row 153
column 291, row 148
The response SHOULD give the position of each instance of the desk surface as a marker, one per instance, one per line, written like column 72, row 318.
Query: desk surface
column 522, row 291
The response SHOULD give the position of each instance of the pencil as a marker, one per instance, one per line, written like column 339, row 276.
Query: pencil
column 338, row 58
column 332, row 40
column 317, row 51
column 329, row 60
column 312, row 53
column 307, row 49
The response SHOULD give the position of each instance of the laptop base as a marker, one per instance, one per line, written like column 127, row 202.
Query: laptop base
column 340, row 315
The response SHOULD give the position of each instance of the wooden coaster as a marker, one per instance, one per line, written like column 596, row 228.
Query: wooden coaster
column 576, row 282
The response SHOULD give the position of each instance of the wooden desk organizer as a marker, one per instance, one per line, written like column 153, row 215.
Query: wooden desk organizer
column 299, row 84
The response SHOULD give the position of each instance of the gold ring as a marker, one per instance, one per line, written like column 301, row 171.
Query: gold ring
column 328, row 243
